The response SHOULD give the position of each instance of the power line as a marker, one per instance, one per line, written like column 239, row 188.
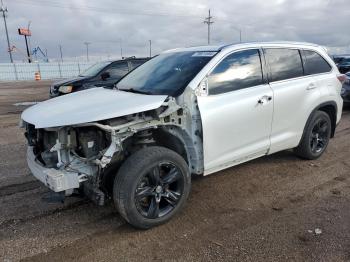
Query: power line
column 99, row 9
column 209, row 22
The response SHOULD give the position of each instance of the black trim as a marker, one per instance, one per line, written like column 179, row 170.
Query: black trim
column 264, row 66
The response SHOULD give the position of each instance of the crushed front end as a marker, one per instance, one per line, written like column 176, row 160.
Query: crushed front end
column 66, row 158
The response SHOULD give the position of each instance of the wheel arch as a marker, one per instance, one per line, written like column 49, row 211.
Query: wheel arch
column 171, row 137
column 329, row 107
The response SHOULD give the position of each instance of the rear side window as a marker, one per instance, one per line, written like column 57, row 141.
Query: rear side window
column 237, row 71
column 136, row 63
column 284, row 63
column 314, row 63
column 117, row 70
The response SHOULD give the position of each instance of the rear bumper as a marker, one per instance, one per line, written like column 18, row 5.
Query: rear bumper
column 56, row 180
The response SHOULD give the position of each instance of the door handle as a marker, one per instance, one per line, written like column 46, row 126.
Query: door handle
column 311, row 86
column 264, row 99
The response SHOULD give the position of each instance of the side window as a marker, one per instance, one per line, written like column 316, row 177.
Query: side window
column 284, row 63
column 314, row 63
column 136, row 63
column 237, row 71
column 117, row 70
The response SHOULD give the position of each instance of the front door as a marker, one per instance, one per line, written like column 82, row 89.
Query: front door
column 237, row 113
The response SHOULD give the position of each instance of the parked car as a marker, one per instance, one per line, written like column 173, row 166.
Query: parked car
column 104, row 74
column 343, row 63
column 187, row 111
column 345, row 92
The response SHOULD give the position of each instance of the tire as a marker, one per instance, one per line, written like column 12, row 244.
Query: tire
column 316, row 136
column 151, row 187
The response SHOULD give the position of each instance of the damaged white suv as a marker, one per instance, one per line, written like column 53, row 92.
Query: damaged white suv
column 187, row 111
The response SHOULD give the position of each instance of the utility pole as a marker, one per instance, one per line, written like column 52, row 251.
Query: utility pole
column 240, row 32
column 29, row 37
column 121, row 49
column 61, row 53
column 28, row 53
column 4, row 10
column 150, row 48
column 209, row 22
column 87, row 50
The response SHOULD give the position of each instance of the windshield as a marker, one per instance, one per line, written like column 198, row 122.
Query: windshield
column 94, row 69
column 166, row 74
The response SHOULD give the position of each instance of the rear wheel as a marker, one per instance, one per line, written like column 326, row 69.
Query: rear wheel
column 151, row 186
column 316, row 136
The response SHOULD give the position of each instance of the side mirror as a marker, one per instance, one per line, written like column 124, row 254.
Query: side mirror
column 105, row 75
column 203, row 88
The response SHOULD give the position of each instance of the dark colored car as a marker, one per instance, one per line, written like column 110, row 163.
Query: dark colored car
column 343, row 63
column 104, row 74
column 345, row 92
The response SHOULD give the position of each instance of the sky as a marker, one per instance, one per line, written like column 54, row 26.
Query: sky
column 109, row 25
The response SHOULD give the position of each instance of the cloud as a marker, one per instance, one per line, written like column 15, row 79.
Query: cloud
column 170, row 24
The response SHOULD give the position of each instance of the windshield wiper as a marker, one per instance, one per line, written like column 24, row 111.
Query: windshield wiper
column 132, row 90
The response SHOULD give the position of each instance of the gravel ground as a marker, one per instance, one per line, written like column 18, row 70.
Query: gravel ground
column 275, row 208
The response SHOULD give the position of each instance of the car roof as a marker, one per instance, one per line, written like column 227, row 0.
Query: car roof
column 217, row 48
column 125, row 59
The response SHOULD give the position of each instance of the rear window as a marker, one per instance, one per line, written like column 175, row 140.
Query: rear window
column 284, row 63
column 314, row 63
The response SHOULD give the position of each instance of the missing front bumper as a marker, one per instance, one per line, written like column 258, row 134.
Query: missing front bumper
column 56, row 180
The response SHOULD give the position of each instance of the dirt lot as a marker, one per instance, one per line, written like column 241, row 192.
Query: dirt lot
column 264, row 210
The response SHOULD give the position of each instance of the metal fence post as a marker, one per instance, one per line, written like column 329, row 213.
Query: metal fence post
column 79, row 68
column 15, row 70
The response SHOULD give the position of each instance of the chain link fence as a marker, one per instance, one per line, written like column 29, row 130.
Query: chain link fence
column 26, row 71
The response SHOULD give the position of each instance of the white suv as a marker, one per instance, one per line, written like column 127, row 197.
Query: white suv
column 187, row 111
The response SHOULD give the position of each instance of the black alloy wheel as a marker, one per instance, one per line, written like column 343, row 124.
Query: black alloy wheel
column 319, row 136
column 151, row 186
column 159, row 190
column 316, row 136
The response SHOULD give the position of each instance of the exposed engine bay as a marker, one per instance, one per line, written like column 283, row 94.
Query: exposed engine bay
column 91, row 152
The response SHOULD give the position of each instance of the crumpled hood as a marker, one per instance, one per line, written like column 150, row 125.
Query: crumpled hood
column 89, row 106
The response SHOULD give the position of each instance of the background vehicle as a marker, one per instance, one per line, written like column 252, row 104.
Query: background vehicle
column 343, row 63
column 187, row 111
column 104, row 74
column 345, row 92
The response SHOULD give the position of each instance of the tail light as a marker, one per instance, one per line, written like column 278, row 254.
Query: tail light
column 342, row 78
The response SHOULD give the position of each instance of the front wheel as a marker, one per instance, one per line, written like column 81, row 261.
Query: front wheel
column 151, row 186
column 316, row 136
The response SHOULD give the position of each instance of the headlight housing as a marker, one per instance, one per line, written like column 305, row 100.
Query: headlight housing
column 65, row 89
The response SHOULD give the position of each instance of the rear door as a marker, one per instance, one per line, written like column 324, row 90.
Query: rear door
column 294, row 96
column 237, row 113
column 317, row 67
